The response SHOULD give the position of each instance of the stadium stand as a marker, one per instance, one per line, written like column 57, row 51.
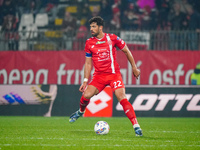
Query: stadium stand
column 171, row 25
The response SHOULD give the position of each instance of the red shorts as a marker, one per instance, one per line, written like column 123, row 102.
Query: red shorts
column 102, row 80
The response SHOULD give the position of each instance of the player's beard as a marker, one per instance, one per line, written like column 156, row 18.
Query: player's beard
column 96, row 34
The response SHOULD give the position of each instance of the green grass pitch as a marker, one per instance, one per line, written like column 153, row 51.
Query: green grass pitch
column 56, row 133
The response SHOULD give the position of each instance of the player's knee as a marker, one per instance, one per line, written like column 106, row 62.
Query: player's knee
column 119, row 98
column 120, row 94
column 87, row 94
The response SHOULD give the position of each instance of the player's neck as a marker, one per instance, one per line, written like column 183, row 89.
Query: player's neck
column 100, row 35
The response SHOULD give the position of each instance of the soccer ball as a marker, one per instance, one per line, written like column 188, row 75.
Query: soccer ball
column 101, row 127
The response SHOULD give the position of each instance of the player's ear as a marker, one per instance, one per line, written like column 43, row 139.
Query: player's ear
column 101, row 28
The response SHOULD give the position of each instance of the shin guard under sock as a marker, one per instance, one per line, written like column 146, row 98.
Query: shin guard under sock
column 129, row 111
column 83, row 103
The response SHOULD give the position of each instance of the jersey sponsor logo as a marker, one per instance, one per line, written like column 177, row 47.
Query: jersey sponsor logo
column 146, row 102
column 100, row 42
column 104, row 49
column 103, row 55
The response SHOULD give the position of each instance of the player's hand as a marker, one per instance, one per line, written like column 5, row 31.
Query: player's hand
column 83, row 86
column 136, row 73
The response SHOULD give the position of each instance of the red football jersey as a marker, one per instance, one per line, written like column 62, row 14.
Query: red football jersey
column 103, row 53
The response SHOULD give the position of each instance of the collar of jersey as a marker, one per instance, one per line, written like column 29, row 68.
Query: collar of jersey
column 101, row 38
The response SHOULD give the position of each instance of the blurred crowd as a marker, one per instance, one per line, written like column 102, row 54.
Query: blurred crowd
column 73, row 15
column 118, row 14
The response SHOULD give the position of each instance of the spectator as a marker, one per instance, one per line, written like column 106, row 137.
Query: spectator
column 81, row 36
column 148, row 19
column 21, row 7
column 163, row 8
column 195, row 77
column 69, row 27
column 193, row 19
column 83, row 10
column 116, row 22
column 196, row 5
column 131, row 20
column 106, row 12
column 183, row 5
column 28, row 6
column 6, row 8
column 9, row 27
column 33, row 6
column 48, row 4
column 177, row 20
column 194, row 27
column 49, row 7
column 117, row 3
column 82, row 32
column 69, row 23
column 94, row 13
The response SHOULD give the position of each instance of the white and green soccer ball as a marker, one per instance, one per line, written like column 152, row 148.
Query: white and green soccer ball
column 101, row 128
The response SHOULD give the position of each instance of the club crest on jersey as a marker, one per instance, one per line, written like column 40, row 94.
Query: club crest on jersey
column 100, row 42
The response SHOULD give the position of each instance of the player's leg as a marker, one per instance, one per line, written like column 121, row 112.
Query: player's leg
column 84, row 101
column 128, row 110
column 85, row 98
column 118, row 86
column 95, row 86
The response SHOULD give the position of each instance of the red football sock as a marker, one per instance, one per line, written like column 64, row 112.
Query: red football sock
column 83, row 103
column 129, row 111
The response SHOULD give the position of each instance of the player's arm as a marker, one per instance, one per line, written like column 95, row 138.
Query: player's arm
column 88, row 67
column 136, row 71
column 87, row 71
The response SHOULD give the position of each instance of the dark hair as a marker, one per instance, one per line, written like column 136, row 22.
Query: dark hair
column 98, row 20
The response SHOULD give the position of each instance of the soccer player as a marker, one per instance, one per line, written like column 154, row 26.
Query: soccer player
column 101, row 51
